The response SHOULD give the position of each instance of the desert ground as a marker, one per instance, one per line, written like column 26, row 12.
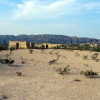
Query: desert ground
column 40, row 80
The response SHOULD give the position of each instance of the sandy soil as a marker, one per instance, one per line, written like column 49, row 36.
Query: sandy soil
column 39, row 80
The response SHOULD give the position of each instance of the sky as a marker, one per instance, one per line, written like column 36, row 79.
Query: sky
column 79, row 18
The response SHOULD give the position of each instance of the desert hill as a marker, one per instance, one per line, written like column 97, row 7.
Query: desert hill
column 47, row 38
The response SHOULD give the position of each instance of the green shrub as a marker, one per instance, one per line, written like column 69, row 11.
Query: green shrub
column 19, row 73
column 3, row 97
column 89, row 73
column 94, row 56
column 77, row 54
column 7, row 61
column 23, row 62
column 85, row 57
column 63, row 70
column 50, row 53
column 52, row 61
column 96, row 59
column 77, row 80
column 11, row 61
column 12, row 48
column 30, row 51
column 58, row 57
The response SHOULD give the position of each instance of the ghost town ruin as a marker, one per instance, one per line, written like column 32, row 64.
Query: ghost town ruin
column 28, row 45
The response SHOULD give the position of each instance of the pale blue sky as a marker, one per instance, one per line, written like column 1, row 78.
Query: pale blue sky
column 79, row 18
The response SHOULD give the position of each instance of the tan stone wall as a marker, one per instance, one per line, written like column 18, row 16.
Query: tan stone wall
column 47, row 44
column 20, row 45
column 93, row 45
column 12, row 44
column 26, row 45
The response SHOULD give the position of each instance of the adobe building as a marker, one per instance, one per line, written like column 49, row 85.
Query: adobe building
column 21, row 45
column 47, row 45
column 28, row 45
column 93, row 45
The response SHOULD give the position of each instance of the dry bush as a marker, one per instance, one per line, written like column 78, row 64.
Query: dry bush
column 85, row 57
column 52, row 61
column 63, row 70
column 89, row 73
column 19, row 73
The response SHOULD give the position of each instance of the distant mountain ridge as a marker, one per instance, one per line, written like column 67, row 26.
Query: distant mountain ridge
column 47, row 38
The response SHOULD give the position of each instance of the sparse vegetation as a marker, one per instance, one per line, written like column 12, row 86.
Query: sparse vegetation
column 23, row 62
column 77, row 80
column 12, row 48
column 19, row 73
column 85, row 57
column 6, row 61
column 3, row 47
column 89, row 73
column 11, row 61
column 77, row 54
column 50, row 52
column 63, row 70
column 95, row 57
column 30, row 69
column 52, row 61
column 56, row 53
column 58, row 57
column 3, row 97
column 31, row 51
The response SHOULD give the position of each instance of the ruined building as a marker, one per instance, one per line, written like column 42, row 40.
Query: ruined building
column 21, row 45
column 28, row 45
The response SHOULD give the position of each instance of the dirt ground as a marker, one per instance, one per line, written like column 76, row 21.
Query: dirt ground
column 40, row 81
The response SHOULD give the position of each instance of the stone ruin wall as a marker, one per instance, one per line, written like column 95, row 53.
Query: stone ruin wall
column 20, row 45
column 27, row 45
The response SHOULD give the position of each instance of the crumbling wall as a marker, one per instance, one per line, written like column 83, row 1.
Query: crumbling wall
column 12, row 44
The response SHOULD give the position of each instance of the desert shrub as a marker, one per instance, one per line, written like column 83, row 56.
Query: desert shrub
column 58, row 57
column 6, row 61
column 77, row 80
column 50, row 53
column 94, row 56
column 30, row 51
column 63, row 70
column 52, row 61
column 89, row 73
column 22, row 60
column 77, row 54
column 19, row 73
column 3, row 47
column 11, row 61
column 96, row 59
column 12, row 48
column 3, row 97
column 85, row 57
